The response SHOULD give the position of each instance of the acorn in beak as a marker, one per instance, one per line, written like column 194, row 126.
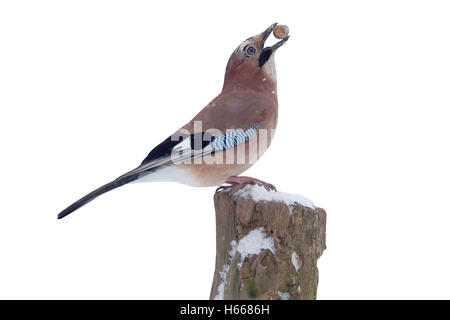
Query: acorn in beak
column 266, row 52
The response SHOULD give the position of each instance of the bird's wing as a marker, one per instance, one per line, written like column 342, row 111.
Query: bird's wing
column 178, row 149
column 230, row 119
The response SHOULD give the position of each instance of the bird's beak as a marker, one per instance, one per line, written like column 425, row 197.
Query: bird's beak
column 266, row 35
column 266, row 52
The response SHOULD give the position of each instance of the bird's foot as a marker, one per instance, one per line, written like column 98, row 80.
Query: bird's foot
column 236, row 183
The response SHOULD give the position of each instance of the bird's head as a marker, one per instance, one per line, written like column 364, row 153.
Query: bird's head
column 252, row 62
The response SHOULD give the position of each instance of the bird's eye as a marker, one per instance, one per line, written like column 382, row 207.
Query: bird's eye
column 249, row 50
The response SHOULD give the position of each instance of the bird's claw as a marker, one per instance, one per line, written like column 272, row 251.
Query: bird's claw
column 239, row 182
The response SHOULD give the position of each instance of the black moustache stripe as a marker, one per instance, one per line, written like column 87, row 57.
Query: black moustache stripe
column 264, row 56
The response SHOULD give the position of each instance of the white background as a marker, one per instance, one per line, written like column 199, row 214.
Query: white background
column 87, row 88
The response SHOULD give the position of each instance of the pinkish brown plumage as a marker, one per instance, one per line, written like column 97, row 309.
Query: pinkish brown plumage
column 236, row 128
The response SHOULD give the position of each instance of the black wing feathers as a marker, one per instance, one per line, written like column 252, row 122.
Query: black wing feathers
column 165, row 148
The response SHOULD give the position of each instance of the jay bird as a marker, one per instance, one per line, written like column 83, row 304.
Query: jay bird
column 216, row 145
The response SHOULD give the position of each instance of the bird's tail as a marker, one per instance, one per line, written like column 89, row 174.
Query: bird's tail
column 97, row 192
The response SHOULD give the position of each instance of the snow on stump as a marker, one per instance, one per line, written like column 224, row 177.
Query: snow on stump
column 267, row 245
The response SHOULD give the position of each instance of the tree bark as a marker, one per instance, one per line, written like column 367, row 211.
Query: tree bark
column 266, row 249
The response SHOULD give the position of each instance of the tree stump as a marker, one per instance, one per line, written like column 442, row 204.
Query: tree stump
column 267, row 245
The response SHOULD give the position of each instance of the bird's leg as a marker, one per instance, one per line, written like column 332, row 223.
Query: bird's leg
column 240, row 182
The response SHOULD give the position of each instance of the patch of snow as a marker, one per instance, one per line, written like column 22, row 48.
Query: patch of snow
column 284, row 295
column 259, row 193
column 223, row 278
column 224, row 272
column 294, row 260
column 253, row 243
column 234, row 246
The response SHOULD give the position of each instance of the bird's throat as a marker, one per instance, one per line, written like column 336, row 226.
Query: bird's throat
column 269, row 68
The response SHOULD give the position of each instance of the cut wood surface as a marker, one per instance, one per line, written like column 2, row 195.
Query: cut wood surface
column 267, row 244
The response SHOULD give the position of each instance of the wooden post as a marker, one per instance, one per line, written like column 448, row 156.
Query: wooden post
column 267, row 245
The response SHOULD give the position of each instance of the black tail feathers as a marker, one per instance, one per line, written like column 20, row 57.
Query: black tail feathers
column 94, row 194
